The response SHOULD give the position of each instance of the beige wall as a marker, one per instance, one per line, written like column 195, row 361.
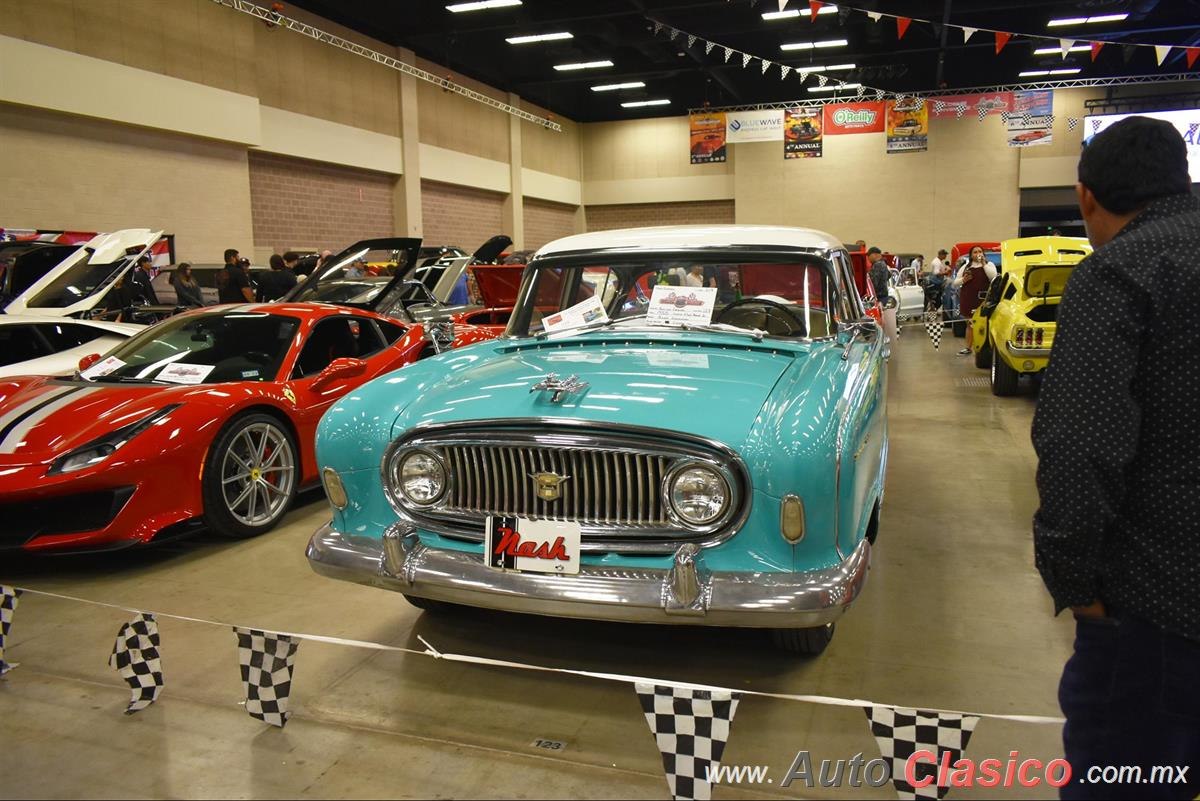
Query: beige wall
column 63, row 171
column 449, row 120
column 964, row 187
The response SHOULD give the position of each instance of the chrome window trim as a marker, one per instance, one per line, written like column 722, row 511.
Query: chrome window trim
column 615, row 438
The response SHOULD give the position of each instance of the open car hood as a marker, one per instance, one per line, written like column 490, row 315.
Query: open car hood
column 1047, row 280
column 498, row 284
column 120, row 249
column 404, row 250
column 490, row 250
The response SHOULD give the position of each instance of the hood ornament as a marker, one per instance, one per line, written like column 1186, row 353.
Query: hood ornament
column 560, row 387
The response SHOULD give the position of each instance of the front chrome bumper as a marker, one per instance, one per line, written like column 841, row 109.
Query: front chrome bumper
column 688, row 593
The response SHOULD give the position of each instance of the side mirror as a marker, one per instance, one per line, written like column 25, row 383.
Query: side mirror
column 88, row 361
column 440, row 335
column 891, row 302
column 339, row 370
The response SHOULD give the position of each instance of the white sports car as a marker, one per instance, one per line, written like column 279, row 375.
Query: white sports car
column 34, row 344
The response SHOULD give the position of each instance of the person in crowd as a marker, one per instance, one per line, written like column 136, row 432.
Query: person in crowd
column 972, row 281
column 119, row 301
column 274, row 284
column 938, row 265
column 918, row 266
column 357, row 269
column 187, row 290
column 143, row 275
column 860, row 244
column 233, row 284
column 694, row 276
column 877, row 271
column 1115, row 536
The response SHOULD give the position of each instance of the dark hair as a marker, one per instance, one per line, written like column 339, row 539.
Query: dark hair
column 243, row 262
column 1133, row 162
column 874, row 250
column 177, row 273
column 143, row 259
column 230, row 253
column 291, row 255
column 276, row 261
column 943, row 252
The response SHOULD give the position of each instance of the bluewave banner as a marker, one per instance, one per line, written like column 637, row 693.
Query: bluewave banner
column 708, row 137
column 802, row 133
column 907, row 125
column 754, row 126
column 853, row 118
column 1032, row 118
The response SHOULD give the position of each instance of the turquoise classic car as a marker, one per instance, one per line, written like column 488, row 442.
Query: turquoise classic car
column 618, row 455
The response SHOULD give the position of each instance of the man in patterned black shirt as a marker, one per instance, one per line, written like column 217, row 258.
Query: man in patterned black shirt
column 1117, row 432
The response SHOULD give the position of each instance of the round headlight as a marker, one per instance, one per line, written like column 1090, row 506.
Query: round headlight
column 699, row 495
column 420, row 477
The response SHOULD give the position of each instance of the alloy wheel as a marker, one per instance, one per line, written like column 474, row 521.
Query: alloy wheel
column 257, row 474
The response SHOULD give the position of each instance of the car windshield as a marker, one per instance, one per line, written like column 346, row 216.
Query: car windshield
column 789, row 295
column 202, row 349
column 82, row 279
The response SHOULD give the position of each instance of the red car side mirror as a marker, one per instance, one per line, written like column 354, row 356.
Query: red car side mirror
column 339, row 370
column 88, row 361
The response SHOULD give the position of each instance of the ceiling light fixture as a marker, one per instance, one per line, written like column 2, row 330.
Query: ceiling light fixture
column 827, row 67
column 1038, row 73
column 811, row 45
column 1058, row 23
column 582, row 65
column 481, row 5
column 609, row 87
column 1055, row 51
column 832, row 88
column 641, row 103
column 540, row 37
column 792, row 13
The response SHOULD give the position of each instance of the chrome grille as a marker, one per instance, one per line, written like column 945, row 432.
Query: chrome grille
column 615, row 489
column 604, row 488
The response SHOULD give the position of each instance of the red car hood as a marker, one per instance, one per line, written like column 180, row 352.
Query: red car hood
column 42, row 418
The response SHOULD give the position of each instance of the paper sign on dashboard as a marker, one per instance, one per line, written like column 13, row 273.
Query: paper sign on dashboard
column 103, row 367
column 681, row 305
column 182, row 373
column 585, row 312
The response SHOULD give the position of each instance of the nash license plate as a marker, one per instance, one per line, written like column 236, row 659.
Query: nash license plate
column 539, row 546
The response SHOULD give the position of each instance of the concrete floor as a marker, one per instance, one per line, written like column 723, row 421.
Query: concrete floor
column 953, row 617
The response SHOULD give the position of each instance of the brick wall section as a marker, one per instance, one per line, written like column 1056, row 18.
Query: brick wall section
column 460, row 215
column 304, row 204
column 636, row 215
column 546, row 221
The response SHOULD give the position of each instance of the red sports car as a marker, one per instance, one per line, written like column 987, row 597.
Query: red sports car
column 206, row 418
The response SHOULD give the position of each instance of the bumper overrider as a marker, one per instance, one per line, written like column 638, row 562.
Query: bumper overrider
column 687, row 593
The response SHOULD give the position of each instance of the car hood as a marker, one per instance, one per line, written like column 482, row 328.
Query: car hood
column 709, row 388
column 42, row 418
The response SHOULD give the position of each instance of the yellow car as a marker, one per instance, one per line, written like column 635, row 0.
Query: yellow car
column 1013, row 329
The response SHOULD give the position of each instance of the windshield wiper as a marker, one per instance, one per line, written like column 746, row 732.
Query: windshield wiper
column 121, row 379
column 723, row 328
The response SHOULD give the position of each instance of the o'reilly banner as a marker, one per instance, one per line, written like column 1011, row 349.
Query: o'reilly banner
column 852, row 118
column 754, row 126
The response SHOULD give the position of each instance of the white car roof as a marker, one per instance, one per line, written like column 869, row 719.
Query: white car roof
column 687, row 237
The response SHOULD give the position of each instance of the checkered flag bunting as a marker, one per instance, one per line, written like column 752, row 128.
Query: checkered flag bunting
column 902, row 732
column 1026, row 118
column 9, row 598
column 1072, row 123
column 267, row 661
column 691, row 728
column 1096, row 126
column 933, row 327
column 135, row 656
column 983, row 112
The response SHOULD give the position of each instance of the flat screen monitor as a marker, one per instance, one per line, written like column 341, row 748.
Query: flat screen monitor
column 1186, row 121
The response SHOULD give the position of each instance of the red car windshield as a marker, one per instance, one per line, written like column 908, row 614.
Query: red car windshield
column 202, row 349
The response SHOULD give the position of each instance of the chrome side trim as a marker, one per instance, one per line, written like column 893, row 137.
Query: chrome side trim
column 639, row 595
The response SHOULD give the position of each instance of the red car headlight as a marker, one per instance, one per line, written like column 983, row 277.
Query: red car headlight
column 100, row 449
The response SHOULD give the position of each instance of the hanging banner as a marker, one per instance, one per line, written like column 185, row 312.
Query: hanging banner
column 989, row 103
column 907, row 126
column 853, row 118
column 754, row 126
column 708, row 138
column 1031, row 120
column 802, row 133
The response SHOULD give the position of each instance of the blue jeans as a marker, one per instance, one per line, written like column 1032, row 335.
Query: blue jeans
column 1131, row 696
column 950, row 301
